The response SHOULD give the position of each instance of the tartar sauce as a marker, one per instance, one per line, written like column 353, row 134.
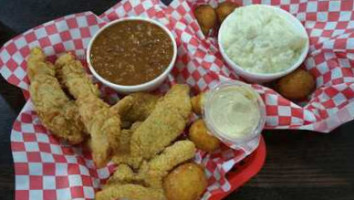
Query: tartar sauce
column 233, row 111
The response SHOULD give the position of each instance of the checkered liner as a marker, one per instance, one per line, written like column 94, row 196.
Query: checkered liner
column 50, row 169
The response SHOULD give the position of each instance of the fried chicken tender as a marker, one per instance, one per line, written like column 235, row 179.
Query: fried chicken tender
column 197, row 103
column 123, row 175
column 37, row 65
column 296, row 85
column 144, row 104
column 72, row 75
column 123, row 106
column 130, row 191
column 157, row 168
column 57, row 113
column 122, row 153
column 102, row 123
column 124, row 141
column 151, row 174
column 103, row 126
column 164, row 124
column 198, row 134
column 132, row 161
column 224, row 9
column 136, row 106
column 186, row 182
column 206, row 17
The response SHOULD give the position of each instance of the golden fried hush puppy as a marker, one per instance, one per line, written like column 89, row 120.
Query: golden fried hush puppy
column 206, row 17
column 197, row 103
column 186, row 182
column 198, row 134
column 296, row 85
column 224, row 9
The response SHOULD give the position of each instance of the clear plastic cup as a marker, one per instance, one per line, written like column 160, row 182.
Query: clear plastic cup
column 247, row 142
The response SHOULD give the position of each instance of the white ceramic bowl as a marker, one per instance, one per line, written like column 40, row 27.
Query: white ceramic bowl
column 260, row 77
column 148, row 86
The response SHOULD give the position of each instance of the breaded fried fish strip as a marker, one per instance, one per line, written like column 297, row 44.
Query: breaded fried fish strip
column 100, row 121
column 123, row 106
column 130, row 191
column 164, row 124
column 157, row 168
column 122, row 153
column 103, row 126
column 136, row 106
column 72, row 75
column 56, row 111
column 151, row 173
column 123, row 175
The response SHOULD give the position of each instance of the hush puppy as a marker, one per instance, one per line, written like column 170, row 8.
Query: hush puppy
column 224, row 9
column 197, row 103
column 296, row 85
column 206, row 17
column 186, row 182
column 198, row 134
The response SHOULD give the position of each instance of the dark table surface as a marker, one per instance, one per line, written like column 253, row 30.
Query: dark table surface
column 299, row 165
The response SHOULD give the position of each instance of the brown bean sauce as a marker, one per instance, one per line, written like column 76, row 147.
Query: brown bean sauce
column 131, row 52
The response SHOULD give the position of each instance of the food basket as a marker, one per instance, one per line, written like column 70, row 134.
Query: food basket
column 46, row 168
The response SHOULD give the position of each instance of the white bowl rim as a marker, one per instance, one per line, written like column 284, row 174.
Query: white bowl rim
column 255, row 75
column 139, row 87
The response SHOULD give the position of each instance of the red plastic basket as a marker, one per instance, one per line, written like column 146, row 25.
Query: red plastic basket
column 244, row 171
column 34, row 171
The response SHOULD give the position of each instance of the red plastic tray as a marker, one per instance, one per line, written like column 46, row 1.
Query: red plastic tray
column 244, row 170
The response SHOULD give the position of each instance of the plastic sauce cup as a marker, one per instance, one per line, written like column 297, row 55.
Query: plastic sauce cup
column 248, row 141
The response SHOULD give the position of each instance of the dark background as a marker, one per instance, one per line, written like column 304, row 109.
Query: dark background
column 299, row 165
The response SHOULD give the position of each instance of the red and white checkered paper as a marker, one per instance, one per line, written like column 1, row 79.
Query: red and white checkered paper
column 46, row 168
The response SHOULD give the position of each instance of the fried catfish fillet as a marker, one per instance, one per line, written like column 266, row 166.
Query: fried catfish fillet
column 56, row 111
column 122, row 153
column 152, row 172
column 147, row 183
column 130, row 191
column 157, row 168
column 72, row 75
column 163, row 125
column 102, row 123
column 123, row 175
column 136, row 106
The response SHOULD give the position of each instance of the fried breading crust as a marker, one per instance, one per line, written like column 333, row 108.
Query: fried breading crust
column 164, row 124
column 206, row 17
column 123, row 175
column 102, row 123
column 103, row 126
column 130, row 191
column 198, row 134
column 197, row 103
column 157, row 168
column 123, row 106
column 122, row 153
column 136, row 106
column 296, row 85
column 56, row 111
column 72, row 75
column 150, row 175
column 186, row 182
column 224, row 9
